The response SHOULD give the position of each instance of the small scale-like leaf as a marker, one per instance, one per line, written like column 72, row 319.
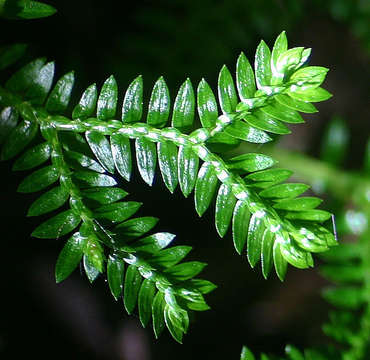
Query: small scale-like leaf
column 167, row 158
column 185, row 271
column 146, row 157
column 279, row 261
column 250, row 162
column 170, row 257
column 241, row 218
column 103, row 195
column 225, row 204
column 10, row 54
column 262, row 121
column 298, row 204
column 311, row 76
column 295, row 255
column 115, row 272
column 159, row 105
column 117, row 212
column 57, row 226
column 184, row 107
column 8, row 121
column 254, row 243
column 158, row 313
column 131, row 288
column 33, row 157
column 310, row 215
column 41, row 84
column 243, row 131
column 59, row 97
column 262, row 65
column 87, row 104
column 132, row 107
column 153, row 243
column 121, row 151
column 226, row 91
column 245, row 78
column 69, row 257
column 205, row 187
column 145, row 300
column 282, row 113
column 289, row 60
column 188, row 163
column 100, row 146
column 295, row 104
column 266, row 252
column 23, row 9
column 246, row 354
column 18, row 139
column 80, row 161
column 92, row 179
column 91, row 271
column 107, row 101
column 39, row 179
column 293, row 353
column 280, row 46
column 311, row 95
column 284, row 191
column 207, row 105
column 270, row 176
column 177, row 321
column 49, row 201
column 134, row 228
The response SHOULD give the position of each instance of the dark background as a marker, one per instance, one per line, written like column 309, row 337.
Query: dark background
column 177, row 39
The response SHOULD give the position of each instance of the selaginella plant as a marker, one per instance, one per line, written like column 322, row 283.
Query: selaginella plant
column 81, row 155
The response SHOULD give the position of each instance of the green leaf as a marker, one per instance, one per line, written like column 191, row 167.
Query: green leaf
column 245, row 78
column 107, row 101
column 10, row 54
column 69, row 257
column 102, row 195
column 279, row 261
column 100, row 146
column 87, row 104
column 298, row 204
column 79, row 161
column 153, row 243
column 185, row 271
column 158, row 313
column 170, row 257
column 282, row 113
column 243, row 131
column 115, row 272
column 280, row 46
column 177, row 321
column 203, row 286
column 49, row 201
column 167, row 158
column 132, row 107
column 92, row 179
column 146, row 157
column 289, row 60
column 33, row 157
column 254, row 244
column 18, row 139
column 335, row 143
column 59, row 97
column 121, row 152
column 225, row 204
column 207, row 105
column 8, row 121
column 57, row 226
column 183, row 110
column 74, row 142
column 188, row 163
column 262, row 65
column 311, row 95
column 266, row 252
column 132, row 287
column 309, row 76
column 246, row 354
column 41, row 84
column 39, row 179
column 295, row 255
column 262, row 121
column 284, row 191
column 295, row 104
column 159, row 105
column 310, row 215
column 91, row 271
column 226, row 91
column 20, row 81
column 25, row 9
column 293, row 353
column 205, row 187
column 250, row 162
column 349, row 297
column 269, row 177
column 134, row 228
column 117, row 212
column 145, row 301
column 240, row 225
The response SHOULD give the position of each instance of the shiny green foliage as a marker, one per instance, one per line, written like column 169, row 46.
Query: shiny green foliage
column 25, row 9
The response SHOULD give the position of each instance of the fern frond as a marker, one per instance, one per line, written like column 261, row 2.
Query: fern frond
column 277, row 227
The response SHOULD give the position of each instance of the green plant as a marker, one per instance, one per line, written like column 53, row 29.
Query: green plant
column 269, row 221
